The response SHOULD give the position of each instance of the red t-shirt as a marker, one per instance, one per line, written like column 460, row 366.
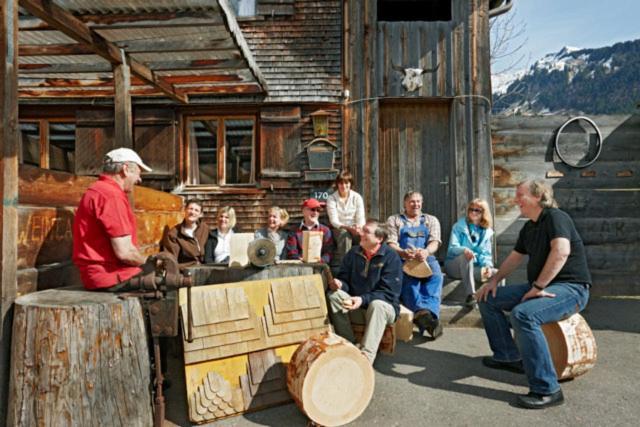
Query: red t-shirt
column 104, row 213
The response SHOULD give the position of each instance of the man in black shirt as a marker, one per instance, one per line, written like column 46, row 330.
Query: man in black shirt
column 559, row 282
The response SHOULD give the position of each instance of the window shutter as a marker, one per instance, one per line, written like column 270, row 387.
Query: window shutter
column 154, row 140
column 94, row 139
column 280, row 142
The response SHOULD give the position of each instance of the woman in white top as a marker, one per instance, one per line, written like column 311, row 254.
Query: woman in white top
column 275, row 231
column 345, row 209
column 218, row 247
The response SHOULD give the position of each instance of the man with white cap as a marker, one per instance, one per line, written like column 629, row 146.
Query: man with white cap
column 104, row 229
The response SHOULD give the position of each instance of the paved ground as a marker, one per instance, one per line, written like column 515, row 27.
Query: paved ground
column 443, row 383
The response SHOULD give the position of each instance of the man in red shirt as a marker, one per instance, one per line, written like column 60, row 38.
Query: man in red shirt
column 104, row 229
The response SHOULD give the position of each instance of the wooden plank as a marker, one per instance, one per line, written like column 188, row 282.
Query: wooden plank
column 65, row 22
column 122, row 105
column 155, row 139
column 9, row 184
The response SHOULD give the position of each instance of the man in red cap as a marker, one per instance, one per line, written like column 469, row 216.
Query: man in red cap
column 311, row 209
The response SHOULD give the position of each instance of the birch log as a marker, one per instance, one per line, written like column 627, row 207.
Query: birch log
column 79, row 359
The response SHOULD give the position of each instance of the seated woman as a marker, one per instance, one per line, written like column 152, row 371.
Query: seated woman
column 274, row 230
column 469, row 254
column 345, row 209
column 187, row 240
column 218, row 247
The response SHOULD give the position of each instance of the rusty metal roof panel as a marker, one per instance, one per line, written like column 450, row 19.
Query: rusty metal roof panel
column 195, row 46
column 132, row 6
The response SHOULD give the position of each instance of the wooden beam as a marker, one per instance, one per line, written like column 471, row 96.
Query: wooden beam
column 122, row 106
column 235, row 31
column 8, row 185
column 54, row 49
column 65, row 22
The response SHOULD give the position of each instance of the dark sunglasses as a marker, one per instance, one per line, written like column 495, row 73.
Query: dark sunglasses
column 315, row 209
column 476, row 210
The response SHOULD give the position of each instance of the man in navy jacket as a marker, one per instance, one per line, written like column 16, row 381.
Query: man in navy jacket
column 367, row 289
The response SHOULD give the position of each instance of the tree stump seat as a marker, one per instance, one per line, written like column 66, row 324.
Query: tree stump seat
column 79, row 358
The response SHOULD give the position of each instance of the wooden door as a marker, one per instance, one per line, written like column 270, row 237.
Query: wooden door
column 415, row 153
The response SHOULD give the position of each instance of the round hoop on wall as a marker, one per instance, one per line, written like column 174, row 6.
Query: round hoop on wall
column 580, row 144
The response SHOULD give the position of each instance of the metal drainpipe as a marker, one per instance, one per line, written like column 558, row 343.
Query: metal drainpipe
column 468, row 116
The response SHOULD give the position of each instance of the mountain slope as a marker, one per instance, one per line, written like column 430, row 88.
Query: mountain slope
column 590, row 81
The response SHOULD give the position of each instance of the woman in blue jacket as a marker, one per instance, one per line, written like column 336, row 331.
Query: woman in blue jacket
column 469, row 254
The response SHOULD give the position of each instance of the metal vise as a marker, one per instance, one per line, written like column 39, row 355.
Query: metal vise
column 160, row 294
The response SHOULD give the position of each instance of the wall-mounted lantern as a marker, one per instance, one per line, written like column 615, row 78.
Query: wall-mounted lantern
column 320, row 151
column 320, row 120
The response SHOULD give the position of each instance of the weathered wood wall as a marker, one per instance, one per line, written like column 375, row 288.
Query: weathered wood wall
column 47, row 202
column 602, row 198
column 376, row 53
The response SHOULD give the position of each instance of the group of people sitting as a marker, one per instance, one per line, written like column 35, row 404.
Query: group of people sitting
column 408, row 236
column 370, row 282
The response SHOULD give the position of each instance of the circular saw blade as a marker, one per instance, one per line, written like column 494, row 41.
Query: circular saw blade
column 262, row 252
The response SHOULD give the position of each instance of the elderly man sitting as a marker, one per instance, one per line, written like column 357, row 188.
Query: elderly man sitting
column 367, row 289
column 311, row 209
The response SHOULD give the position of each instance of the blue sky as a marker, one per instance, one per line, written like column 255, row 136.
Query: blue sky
column 552, row 24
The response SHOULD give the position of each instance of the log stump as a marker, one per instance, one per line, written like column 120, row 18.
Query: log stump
column 79, row 359
column 330, row 380
column 572, row 346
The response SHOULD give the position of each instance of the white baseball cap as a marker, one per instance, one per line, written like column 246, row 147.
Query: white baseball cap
column 122, row 155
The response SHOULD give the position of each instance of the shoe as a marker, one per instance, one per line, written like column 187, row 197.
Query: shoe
column 471, row 301
column 423, row 319
column 540, row 401
column 436, row 329
column 516, row 367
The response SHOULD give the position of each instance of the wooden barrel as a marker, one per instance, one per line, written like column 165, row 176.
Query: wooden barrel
column 79, row 359
column 572, row 346
column 330, row 380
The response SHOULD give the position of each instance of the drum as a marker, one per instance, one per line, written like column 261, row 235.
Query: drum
column 572, row 346
column 330, row 380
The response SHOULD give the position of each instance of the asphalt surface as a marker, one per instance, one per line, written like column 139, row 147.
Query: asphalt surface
column 443, row 382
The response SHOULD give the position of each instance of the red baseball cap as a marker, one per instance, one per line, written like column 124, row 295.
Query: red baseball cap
column 311, row 204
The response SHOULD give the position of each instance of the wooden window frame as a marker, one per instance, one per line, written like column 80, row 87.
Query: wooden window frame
column 221, row 149
column 44, row 129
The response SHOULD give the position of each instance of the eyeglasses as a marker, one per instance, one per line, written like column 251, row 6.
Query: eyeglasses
column 314, row 209
column 476, row 210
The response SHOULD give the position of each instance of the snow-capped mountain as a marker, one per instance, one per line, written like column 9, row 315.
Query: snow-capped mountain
column 591, row 81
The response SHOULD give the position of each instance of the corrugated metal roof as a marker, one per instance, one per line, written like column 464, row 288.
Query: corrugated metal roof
column 132, row 6
column 195, row 44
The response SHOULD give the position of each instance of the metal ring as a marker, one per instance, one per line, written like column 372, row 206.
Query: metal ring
column 598, row 143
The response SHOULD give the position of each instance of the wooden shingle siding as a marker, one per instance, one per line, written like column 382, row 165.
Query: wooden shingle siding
column 299, row 54
column 602, row 198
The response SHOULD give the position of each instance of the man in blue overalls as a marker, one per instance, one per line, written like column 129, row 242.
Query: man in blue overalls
column 416, row 236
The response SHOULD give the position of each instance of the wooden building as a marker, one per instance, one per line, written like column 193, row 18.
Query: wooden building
column 218, row 96
column 430, row 134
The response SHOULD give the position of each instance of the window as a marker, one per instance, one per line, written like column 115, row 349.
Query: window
column 243, row 7
column 414, row 10
column 48, row 144
column 221, row 150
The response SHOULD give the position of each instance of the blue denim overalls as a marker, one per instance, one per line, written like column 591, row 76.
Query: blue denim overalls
column 420, row 294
